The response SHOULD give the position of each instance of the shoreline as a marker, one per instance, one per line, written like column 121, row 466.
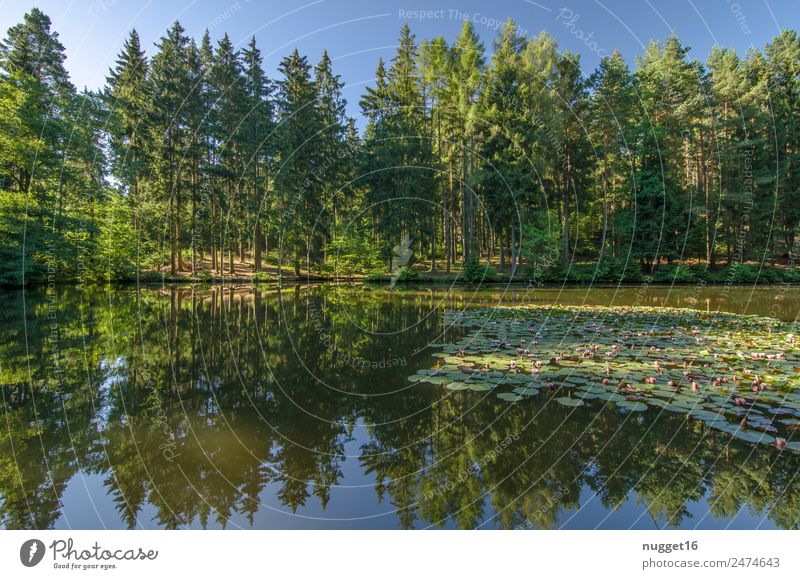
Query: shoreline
column 402, row 285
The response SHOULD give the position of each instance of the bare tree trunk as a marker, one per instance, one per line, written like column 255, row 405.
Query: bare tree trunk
column 172, row 252
column 565, row 201
column 502, row 251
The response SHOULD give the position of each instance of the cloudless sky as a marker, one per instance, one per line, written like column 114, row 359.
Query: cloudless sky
column 356, row 33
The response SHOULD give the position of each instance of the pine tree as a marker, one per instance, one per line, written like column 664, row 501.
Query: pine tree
column 230, row 106
column 171, row 83
column 409, row 193
column 297, row 175
column 613, row 112
column 331, row 139
column 127, row 98
column 782, row 57
column 436, row 70
column 467, row 78
column 31, row 48
column 258, row 145
column 502, row 126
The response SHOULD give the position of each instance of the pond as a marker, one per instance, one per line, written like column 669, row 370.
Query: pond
column 234, row 407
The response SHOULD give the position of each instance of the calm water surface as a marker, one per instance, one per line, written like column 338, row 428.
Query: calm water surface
column 237, row 408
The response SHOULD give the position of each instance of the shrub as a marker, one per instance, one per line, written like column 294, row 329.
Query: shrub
column 151, row 277
column 632, row 271
column 701, row 272
column 673, row 274
column 741, row 273
column 539, row 274
column 408, row 274
column 474, row 272
column 263, row 277
column 791, row 274
column 204, row 276
column 769, row 275
column 615, row 270
column 577, row 274
column 376, row 277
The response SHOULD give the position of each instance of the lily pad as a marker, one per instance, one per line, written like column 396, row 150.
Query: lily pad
column 565, row 401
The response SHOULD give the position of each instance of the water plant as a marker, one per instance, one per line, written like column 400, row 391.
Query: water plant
column 738, row 374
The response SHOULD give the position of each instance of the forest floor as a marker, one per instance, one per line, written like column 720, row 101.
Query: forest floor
column 245, row 270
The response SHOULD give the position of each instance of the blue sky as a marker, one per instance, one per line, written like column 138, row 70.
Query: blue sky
column 357, row 33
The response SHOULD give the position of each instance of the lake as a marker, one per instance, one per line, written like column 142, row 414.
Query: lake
column 230, row 407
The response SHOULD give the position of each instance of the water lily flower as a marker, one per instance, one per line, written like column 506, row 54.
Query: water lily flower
column 780, row 443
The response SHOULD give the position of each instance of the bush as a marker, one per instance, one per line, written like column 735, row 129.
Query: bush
column 113, row 256
column 615, row 270
column 580, row 274
column 376, row 277
column 408, row 274
column 673, row 274
column 151, row 277
column 702, row 273
column 769, row 275
column 791, row 274
column 204, row 276
column 474, row 272
column 263, row 277
column 741, row 273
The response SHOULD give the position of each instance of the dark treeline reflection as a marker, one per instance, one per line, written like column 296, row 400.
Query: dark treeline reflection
column 201, row 406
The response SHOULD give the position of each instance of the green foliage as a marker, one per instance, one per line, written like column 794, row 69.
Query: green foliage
column 114, row 255
column 215, row 160
column 475, row 272
column 376, row 277
column 151, row 277
column 19, row 221
column 791, row 274
column 264, row 277
column 408, row 275
column 352, row 252
column 205, row 275
column 674, row 274
column 615, row 270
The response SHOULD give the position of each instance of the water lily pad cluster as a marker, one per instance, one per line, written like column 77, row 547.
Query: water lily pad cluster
column 739, row 374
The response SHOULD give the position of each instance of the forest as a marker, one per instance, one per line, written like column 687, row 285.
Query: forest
column 506, row 162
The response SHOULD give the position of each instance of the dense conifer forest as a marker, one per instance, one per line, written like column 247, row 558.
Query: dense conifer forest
column 503, row 161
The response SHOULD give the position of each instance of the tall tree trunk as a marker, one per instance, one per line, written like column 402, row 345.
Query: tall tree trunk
column 605, row 195
column 194, row 222
column 565, row 201
column 513, row 250
column 502, row 251
column 214, row 264
column 257, row 245
column 172, row 237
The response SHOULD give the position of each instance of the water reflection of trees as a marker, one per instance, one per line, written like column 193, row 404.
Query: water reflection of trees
column 197, row 402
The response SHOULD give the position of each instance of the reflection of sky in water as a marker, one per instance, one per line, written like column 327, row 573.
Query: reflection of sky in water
column 403, row 436
column 88, row 506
